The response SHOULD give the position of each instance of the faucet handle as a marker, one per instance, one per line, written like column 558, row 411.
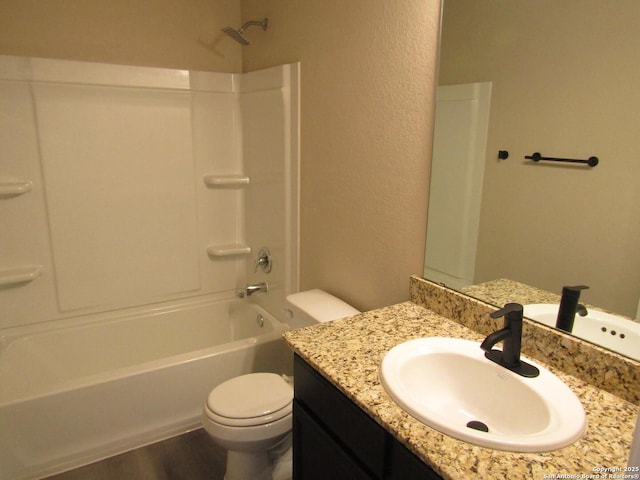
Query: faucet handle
column 264, row 260
column 575, row 289
column 513, row 314
column 511, row 311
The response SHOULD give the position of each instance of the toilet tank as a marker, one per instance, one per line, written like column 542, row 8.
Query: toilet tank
column 316, row 306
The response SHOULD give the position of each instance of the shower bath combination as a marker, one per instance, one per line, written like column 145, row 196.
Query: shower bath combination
column 238, row 36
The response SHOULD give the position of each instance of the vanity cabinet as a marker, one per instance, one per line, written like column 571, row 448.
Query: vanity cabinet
column 333, row 438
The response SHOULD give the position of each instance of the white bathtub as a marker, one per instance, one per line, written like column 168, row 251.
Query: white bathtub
column 74, row 395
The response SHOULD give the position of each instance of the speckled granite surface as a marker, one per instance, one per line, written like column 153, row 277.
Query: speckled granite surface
column 503, row 290
column 348, row 353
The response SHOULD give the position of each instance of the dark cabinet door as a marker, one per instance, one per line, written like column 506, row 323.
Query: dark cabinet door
column 334, row 439
column 316, row 455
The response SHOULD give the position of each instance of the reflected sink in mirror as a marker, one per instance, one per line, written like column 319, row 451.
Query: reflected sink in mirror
column 614, row 332
column 449, row 385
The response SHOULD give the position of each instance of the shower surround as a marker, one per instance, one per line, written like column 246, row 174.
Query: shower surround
column 128, row 189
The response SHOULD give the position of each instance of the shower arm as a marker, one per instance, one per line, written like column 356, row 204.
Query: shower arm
column 262, row 23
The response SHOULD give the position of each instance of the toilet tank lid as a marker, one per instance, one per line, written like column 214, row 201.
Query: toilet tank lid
column 320, row 305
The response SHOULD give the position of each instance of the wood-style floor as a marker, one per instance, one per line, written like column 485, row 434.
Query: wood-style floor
column 192, row 456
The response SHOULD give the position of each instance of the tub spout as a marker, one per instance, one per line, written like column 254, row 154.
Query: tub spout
column 250, row 289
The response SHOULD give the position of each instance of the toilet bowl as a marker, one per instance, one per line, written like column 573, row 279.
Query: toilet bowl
column 251, row 415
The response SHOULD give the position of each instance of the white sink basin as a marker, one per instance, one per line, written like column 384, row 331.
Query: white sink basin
column 610, row 331
column 447, row 383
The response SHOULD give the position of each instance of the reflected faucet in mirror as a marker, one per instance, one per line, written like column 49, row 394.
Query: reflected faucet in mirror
column 569, row 307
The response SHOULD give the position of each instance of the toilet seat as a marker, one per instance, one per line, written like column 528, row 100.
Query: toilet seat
column 250, row 400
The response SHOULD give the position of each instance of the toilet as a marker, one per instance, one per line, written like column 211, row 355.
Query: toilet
column 251, row 415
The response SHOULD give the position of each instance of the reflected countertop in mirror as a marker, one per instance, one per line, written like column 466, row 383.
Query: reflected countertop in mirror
column 615, row 332
column 503, row 290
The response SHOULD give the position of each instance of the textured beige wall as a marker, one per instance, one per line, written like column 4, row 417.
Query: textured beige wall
column 368, row 69
column 565, row 83
column 160, row 33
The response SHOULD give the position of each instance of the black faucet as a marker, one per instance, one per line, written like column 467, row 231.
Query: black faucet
column 511, row 337
column 569, row 306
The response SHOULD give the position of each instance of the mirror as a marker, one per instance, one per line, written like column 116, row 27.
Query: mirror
column 561, row 81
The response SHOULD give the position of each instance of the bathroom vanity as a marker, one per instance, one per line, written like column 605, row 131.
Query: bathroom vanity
column 346, row 426
column 334, row 438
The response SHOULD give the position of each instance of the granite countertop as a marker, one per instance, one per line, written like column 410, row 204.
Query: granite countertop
column 504, row 290
column 348, row 353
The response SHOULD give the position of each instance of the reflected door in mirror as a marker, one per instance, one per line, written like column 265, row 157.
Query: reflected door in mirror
column 460, row 138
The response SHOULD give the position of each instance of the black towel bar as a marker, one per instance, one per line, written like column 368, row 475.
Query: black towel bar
column 536, row 157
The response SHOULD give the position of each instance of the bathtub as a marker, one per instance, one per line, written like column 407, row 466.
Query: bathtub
column 77, row 394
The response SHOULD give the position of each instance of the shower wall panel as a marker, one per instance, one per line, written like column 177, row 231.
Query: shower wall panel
column 270, row 125
column 103, row 201
column 24, row 240
column 119, row 178
column 217, row 149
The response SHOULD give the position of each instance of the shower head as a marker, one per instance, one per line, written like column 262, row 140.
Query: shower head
column 238, row 36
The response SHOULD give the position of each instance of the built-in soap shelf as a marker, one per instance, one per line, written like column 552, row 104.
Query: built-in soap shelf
column 18, row 275
column 14, row 188
column 226, row 181
column 228, row 250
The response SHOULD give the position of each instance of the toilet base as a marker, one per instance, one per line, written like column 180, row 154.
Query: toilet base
column 283, row 466
column 248, row 466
